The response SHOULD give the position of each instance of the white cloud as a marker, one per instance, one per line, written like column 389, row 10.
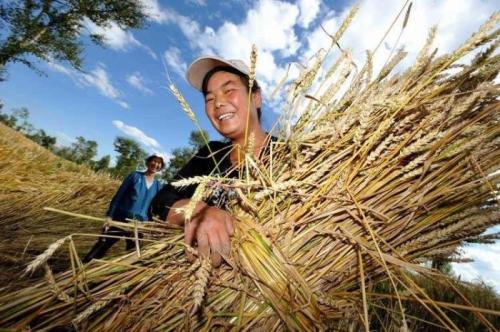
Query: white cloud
column 269, row 25
column 190, row 28
column 117, row 38
column 114, row 36
column 150, row 52
column 137, row 81
column 97, row 78
column 153, row 10
column 63, row 139
column 309, row 10
column 150, row 143
column 123, row 104
column 137, row 134
column 484, row 267
column 60, row 68
column 318, row 39
column 372, row 21
column 174, row 61
column 198, row 2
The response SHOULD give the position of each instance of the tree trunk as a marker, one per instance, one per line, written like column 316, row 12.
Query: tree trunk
column 13, row 47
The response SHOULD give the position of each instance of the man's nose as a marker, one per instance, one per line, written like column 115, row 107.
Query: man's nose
column 220, row 101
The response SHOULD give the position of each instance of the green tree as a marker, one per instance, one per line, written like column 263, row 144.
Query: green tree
column 196, row 138
column 64, row 152
column 21, row 123
column 442, row 264
column 50, row 29
column 130, row 156
column 102, row 164
column 6, row 119
column 180, row 156
column 17, row 120
column 82, row 151
column 42, row 138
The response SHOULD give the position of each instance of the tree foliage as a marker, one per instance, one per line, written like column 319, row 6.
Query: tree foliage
column 196, row 138
column 43, row 139
column 8, row 120
column 82, row 151
column 19, row 120
column 102, row 165
column 130, row 156
column 50, row 29
column 180, row 156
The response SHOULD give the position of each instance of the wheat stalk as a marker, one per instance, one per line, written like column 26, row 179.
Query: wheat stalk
column 44, row 257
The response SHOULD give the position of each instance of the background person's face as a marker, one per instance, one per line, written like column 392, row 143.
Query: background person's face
column 154, row 165
column 226, row 105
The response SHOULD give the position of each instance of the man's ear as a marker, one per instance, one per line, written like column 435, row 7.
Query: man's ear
column 257, row 99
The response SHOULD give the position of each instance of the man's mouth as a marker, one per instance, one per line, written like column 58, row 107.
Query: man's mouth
column 225, row 116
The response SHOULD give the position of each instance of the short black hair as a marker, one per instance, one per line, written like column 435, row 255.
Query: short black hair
column 148, row 159
column 243, row 77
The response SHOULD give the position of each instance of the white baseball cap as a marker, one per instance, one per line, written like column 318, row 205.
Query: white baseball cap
column 157, row 155
column 202, row 65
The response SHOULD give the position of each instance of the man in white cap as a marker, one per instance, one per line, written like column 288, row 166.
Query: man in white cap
column 131, row 201
column 225, row 87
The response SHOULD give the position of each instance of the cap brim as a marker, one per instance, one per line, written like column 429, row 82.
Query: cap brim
column 201, row 66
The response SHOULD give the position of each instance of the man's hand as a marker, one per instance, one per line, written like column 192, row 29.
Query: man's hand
column 106, row 227
column 212, row 228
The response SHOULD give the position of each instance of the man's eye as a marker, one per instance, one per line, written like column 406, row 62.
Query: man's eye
column 209, row 100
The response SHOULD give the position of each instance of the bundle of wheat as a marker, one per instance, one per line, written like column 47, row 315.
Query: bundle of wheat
column 32, row 177
column 400, row 169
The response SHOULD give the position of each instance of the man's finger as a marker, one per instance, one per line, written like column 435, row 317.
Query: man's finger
column 189, row 232
column 216, row 249
column 225, row 243
column 203, row 243
column 229, row 222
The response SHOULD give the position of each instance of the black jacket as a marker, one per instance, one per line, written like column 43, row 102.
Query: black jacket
column 203, row 163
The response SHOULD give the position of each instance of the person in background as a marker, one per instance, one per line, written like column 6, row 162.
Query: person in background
column 131, row 201
column 234, row 110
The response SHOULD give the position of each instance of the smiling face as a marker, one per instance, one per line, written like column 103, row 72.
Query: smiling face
column 226, row 105
column 154, row 164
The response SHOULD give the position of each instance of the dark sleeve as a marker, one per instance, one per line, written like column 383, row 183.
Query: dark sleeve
column 117, row 198
column 201, row 164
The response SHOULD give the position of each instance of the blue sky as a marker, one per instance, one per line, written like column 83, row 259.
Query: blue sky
column 123, row 89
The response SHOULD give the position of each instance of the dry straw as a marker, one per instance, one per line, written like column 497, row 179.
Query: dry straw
column 329, row 248
column 44, row 257
column 201, row 282
column 30, row 179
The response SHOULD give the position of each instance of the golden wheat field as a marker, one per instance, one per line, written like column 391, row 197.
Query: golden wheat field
column 32, row 178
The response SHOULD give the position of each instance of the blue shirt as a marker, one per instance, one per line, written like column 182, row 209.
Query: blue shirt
column 133, row 198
